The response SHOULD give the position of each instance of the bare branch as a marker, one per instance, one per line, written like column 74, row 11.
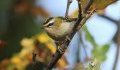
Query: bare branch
column 83, row 44
column 116, row 39
column 67, row 9
column 110, row 19
column 85, row 19
column 116, row 57
column 64, row 46
column 78, row 25
column 88, row 6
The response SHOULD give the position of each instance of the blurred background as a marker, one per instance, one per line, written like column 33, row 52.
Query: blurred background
column 94, row 46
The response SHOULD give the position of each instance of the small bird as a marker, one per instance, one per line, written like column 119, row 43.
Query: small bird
column 59, row 27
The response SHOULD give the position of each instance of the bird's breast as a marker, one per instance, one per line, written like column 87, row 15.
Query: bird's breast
column 61, row 32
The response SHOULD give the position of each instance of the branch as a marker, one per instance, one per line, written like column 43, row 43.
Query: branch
column 88, row 6
column 83, row 44
column 60, row 51
column 116, row 57
column 67, row 9
column 64, row 46
column 108, row 18
column 116, row 39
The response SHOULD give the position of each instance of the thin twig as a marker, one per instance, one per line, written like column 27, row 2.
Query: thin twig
column 116, row 39
column 80, row 37
column 116, row 57
column 85, row 19
column 109, row 18
column 118, row 49
column 67, row 9
column 88, row 6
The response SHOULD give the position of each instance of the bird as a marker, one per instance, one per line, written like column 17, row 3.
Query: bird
column 59, row 27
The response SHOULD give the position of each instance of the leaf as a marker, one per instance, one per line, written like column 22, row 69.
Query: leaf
column 97, row 53
column 100, row 52
column 89, row 37
column 97, row 4
column 83, row 4
column 105, row 48
column 101, row 4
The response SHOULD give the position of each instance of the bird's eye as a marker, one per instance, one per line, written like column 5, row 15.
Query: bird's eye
column 50, row 24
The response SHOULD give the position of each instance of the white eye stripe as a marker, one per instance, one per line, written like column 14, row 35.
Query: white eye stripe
column 50, row 23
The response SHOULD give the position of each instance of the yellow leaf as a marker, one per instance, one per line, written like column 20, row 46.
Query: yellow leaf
column 83, row 4
column 51, row 47
column 101, row 4
column 97, row 4
column 43, row 38
column 16, row 60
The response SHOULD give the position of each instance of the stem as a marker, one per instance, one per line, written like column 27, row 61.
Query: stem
column 84, row 46
column 117, row 51
column 117, row 39
column 88, row 6
column 116, row 57
column 67, row 9
column 64, row 46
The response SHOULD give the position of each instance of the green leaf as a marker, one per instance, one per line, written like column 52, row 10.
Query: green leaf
column 105, row 48
column 100, row 52
column 89, row 37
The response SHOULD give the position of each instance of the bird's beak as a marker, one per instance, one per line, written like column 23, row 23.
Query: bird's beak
column 44, row 26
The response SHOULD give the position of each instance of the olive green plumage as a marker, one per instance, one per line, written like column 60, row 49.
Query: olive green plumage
column 58, row 27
